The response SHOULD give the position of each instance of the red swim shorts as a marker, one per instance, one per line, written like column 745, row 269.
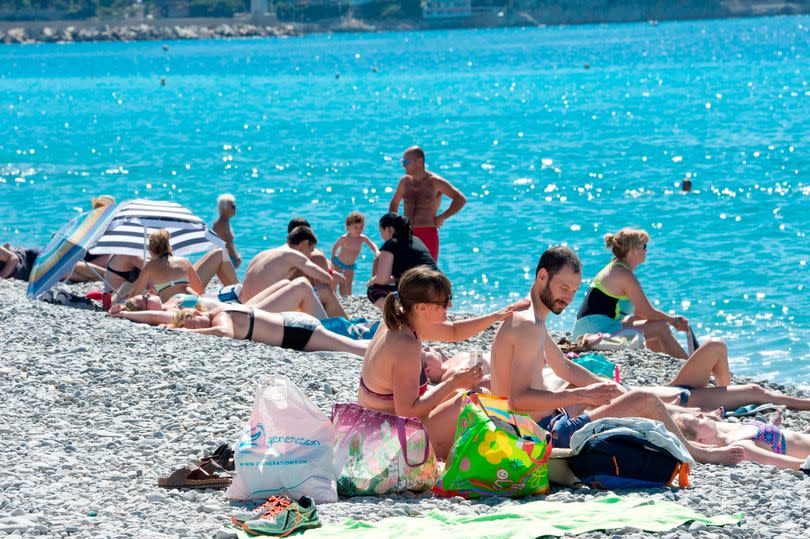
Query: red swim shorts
column 430, row 237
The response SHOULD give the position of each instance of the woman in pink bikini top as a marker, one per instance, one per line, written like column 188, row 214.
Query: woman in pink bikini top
column 392, row 378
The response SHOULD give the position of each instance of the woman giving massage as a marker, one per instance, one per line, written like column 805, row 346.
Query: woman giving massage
column 393, row 379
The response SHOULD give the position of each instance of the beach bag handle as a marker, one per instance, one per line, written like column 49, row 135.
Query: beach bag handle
column 403, row 443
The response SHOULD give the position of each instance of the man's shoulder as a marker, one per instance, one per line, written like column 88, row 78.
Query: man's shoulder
column 524, row 325
column 437, row 179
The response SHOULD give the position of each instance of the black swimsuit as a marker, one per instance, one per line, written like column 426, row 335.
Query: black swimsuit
column 251, row 321
column 129, row 276
column 298, row 330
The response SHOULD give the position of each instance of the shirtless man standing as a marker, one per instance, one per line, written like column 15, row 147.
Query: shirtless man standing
column 226, row 205
column 523, row 346
column 422, row 191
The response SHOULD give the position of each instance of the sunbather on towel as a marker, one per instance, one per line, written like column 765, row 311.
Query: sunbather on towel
column 293, row 330
column 295, row 295
column 761, row 442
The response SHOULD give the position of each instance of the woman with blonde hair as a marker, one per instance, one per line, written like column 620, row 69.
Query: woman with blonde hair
column 616, row 300
column 393, row 379
column 169, row 275
column 764, row 443
column 292, row 330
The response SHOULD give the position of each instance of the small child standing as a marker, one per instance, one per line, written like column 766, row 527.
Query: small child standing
column 350, row 244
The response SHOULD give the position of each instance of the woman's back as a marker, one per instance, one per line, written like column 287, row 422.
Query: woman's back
column 408, row 255
column 606, row 295
column 169, row 275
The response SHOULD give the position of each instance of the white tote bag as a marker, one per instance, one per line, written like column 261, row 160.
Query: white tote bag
column 287, row 447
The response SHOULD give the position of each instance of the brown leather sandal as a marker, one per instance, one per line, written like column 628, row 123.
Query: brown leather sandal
column 194, row 476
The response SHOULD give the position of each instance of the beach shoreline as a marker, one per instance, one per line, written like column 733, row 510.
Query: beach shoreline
column 245, row 26
column 96, row 408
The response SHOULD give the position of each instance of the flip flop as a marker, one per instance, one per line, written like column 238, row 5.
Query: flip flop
column 753, row 409
column 193, row 476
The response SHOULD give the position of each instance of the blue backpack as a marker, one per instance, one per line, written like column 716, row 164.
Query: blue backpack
column 623, row 462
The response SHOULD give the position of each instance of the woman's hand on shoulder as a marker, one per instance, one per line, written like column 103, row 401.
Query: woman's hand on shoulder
column 507, row 311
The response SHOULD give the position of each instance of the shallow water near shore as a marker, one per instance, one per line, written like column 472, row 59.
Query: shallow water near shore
column 554, row 134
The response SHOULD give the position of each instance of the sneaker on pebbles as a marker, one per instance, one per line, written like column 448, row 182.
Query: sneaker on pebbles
column 280, row 516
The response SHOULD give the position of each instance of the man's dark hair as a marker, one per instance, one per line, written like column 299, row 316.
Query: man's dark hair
column 554, row 259
column 299, row 234
column 296, row 222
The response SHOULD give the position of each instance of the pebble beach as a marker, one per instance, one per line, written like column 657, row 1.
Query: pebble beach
column 94, row 409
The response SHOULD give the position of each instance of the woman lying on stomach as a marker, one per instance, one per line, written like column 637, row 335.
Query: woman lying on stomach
column 393, row 379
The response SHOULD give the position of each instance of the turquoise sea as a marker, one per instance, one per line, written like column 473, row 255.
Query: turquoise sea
column 554, row 134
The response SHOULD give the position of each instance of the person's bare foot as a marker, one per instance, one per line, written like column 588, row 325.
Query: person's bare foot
column 726, row 456
column 777, row 418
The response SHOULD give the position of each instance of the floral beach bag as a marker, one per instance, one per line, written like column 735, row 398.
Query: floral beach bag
column 496, row 452
column 378, row 453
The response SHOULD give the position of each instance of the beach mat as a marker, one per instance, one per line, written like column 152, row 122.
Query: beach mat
column 532, row 520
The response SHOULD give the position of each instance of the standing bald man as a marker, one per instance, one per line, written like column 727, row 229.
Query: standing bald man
column 422, row 191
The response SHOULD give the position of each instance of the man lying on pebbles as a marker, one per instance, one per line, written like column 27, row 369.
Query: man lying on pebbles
column 522, row 347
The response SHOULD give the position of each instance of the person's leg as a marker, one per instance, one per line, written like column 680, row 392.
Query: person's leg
column 330, row 302
column 267, row 292
column 659, row 338
column 441, row 424
column 347, row 289
column 216, row 263
column 798, row 444
column 639, row 403
column 290, row 296
column 323, row 340
column 86, row 272
column 733, row 397
column 710, row 359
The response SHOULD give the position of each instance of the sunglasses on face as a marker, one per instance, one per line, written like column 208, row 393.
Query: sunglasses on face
column 644, row 246
column 446, row 302
column 405, row 162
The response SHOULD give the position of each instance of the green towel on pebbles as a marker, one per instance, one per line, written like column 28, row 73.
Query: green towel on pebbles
column 532, row 520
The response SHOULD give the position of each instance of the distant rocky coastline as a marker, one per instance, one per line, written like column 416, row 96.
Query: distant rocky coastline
column 244, row 26
column 141, row 32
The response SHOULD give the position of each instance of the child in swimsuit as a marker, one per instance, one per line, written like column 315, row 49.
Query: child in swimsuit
column 764, row 443
column 350, row 245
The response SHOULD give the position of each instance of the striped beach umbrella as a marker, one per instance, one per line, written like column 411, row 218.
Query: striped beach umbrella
column 67, row 247
column 128, row 231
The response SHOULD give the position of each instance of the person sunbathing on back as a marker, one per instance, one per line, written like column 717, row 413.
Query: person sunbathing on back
column 761, row 442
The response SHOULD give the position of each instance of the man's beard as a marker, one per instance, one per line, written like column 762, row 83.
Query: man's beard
column 552, row 304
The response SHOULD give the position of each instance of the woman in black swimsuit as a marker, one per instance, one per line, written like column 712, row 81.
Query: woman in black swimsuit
column 400, row 252
column 293, row 330
column 393, row 380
